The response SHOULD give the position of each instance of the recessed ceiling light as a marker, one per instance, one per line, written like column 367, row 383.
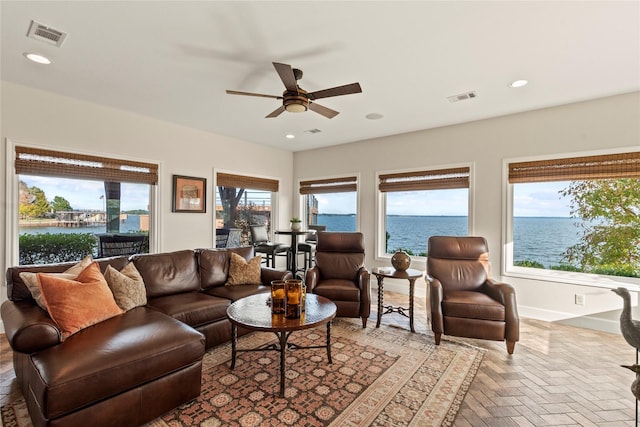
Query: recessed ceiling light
column 289, row 136
column 37, row 58
column 519, row 83
column 374, row 116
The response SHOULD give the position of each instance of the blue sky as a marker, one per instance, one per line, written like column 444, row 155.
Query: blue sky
column 86, row 194
column 535, row 199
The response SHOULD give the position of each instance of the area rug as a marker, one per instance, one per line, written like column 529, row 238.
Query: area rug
column 379, row 377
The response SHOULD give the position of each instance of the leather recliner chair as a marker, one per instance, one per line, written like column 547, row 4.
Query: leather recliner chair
column 464, row 301
column 340, row 275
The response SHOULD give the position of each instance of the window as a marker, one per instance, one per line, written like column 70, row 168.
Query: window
column 332, row 202
column 66, row 201
column 242, row 201
column 577, row 214
column 419, row 204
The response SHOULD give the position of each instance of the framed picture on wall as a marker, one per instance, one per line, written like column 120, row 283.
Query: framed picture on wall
column 189, row 194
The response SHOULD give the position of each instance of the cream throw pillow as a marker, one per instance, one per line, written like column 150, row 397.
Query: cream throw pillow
column 127, row 286
column 242, row 272
column 31, row 279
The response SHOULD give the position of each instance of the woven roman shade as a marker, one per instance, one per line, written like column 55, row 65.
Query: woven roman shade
column 330, row 185
column 36, row 161
column 250, row 182
column 609, row 166
column 440, row 179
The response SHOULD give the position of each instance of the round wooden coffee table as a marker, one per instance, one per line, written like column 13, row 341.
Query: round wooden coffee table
column 254, row 313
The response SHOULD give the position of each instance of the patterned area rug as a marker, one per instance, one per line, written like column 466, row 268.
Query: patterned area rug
column 379, row 377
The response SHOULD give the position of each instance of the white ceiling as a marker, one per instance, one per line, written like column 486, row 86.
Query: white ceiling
column 174, row 60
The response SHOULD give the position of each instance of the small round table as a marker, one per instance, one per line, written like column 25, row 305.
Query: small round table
column 411, row 275
column 254, row 312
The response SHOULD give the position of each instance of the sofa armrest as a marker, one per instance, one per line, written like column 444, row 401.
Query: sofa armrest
column 364, row 282
column 28, row 327
column 506, row 295
column 267, row 274
column 311, row 278
column 436, row 295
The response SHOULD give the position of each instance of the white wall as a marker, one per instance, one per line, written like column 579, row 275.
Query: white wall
column 602, row 124
column 43, row 118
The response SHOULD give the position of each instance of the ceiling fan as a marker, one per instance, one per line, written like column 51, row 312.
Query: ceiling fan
column 297, row 100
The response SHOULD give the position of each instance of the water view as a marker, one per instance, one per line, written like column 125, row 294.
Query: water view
column 540, row 239
column 130, row 224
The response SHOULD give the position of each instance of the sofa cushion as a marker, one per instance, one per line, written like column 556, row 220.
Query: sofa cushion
column 168, row 273
column 77, row 304
column 338, row 290
column 30, row 279
column 214, row 264
column 243, row 272
column 127, row 286
column 112, row 356
column 193, row 308
column 472, row 305
column 234, row 293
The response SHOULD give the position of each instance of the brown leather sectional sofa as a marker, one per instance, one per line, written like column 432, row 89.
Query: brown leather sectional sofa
column 133, row 367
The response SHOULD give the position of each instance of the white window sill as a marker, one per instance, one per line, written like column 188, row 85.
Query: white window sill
column 574, row 278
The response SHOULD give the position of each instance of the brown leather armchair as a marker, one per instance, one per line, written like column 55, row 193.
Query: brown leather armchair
column 464, row 301
column 340, row 275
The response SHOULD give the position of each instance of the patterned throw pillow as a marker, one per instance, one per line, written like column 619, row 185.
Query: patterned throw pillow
column 77, row 304
column 242, row 272
column 127, row 286
column 31, row 280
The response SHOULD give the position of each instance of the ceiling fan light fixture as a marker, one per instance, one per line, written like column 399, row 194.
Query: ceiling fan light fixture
column 296, row 105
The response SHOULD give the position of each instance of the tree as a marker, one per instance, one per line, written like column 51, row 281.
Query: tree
column 230, row 198
column 610, row 214
column 32, row 202
column 60, row 204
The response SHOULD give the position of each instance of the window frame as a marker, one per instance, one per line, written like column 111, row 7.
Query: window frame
column 328, row 178
column 275, row 196
column 12, row 189
column 381, row 206
column 574, row 278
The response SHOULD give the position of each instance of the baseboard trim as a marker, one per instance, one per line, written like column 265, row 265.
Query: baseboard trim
column 588, row 322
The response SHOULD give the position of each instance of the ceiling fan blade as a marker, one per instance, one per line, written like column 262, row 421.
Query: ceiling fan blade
column 236, row 92
column 275, row 113
column 286, row 75
column 336, row 91
column 327, row 112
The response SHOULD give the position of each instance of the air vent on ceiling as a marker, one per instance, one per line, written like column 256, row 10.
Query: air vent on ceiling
column 312, row 131
column 46, row 34
column 462, row 96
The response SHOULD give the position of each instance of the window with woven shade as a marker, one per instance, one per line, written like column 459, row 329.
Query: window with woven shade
column 242, row 201
column 422, row 203
column 70, row 193
column 578, row 213
column 331, row 203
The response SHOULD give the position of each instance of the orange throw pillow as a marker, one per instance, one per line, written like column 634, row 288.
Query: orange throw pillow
column 77, row 304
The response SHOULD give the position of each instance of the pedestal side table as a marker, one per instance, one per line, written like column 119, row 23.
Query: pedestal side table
column 411, row 275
